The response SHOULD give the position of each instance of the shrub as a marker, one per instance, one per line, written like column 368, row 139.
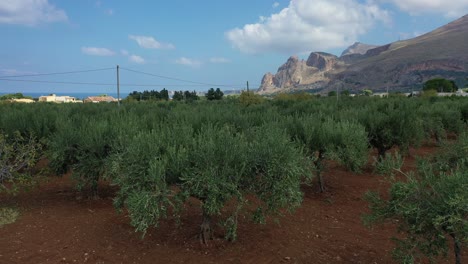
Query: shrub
column 215, row 165
column 17, row 156
column 429, row 207
column 250, row 98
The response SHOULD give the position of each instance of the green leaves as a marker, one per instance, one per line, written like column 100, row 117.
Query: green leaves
column 213, row 94
column 216, row 165
column 159, row 154
column 429, row 206
column 392, row 122
column 440, row 85
column 17, row 156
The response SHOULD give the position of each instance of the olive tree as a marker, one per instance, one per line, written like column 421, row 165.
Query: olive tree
column 391, row 123
column 159, row 171
column 429, row 207
column 343, row 141
column 17, row 156
column 440, row 85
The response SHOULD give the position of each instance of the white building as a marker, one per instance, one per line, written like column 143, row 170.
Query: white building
column 59, row 99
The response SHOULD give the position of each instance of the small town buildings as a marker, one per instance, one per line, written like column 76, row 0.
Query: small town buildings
column 100, row 99
column 457, row 93
column 381, row 95
column 59, row 99
column 22, row 100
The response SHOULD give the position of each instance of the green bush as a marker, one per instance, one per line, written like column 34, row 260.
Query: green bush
column 250, row 98
column 389, row 164
column 429, row 207
column 215, row 165
column 440, row 85
column 17, row 156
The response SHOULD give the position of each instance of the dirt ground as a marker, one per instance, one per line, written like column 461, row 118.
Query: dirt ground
column 56, row 227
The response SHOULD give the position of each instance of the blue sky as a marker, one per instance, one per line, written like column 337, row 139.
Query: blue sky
column 214, row 42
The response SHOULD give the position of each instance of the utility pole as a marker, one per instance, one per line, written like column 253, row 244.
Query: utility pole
column 118, row 86
column 247, row 86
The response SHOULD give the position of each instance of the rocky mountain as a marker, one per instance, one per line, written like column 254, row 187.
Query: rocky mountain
column 297, row 72
column 358, row 48
column 398, row 66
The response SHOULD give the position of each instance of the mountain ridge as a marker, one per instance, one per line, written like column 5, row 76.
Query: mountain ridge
column 398, row 66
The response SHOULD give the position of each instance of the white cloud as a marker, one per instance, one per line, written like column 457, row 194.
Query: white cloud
column 306, row 26
column 97, row 51
column 136, row 59
column 30, row 12
column 451, row 9
column 276, row 4
column 219, row 60
column 188, row 62
column 151, row 43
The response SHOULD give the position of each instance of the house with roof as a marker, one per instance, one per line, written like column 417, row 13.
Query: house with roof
column 100, row 99
column 59, row 99
column 22, row 100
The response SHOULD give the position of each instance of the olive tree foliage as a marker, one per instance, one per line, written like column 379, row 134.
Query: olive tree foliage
column 82, row 144
column 250, row 98
column 325, row 138
column 431, row 207
column 160, row 170
column 17, row 155
column 391, row 123
column 439, row 118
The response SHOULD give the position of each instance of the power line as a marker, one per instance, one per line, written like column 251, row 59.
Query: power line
column 55, row 73
column 176, row 79
column 77, row 83
column 192, row 83
column 109, row 84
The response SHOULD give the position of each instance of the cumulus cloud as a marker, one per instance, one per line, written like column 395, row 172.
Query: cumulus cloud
column 219, row 60
column 188, row 62
column 451, row 9
column 306, row 26
column 136, row 59
column 150, row 43
column 97, row 51
column 30, row 12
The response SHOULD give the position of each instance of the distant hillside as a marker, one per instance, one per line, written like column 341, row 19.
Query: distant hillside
column 358, row 48
column 399, row 66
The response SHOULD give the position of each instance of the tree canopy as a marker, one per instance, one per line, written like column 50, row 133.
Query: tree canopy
column 213, row 94
column 150, row 95
column 429, row 206
column 440, row 85
column 14, row 96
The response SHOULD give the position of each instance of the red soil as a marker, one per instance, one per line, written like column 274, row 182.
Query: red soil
column 55, row 227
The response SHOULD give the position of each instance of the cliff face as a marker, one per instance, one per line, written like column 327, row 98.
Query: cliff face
column 296, row 73
column 399, row 66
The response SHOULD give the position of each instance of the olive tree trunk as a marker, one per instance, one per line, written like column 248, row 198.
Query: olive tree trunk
column 206, row 233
